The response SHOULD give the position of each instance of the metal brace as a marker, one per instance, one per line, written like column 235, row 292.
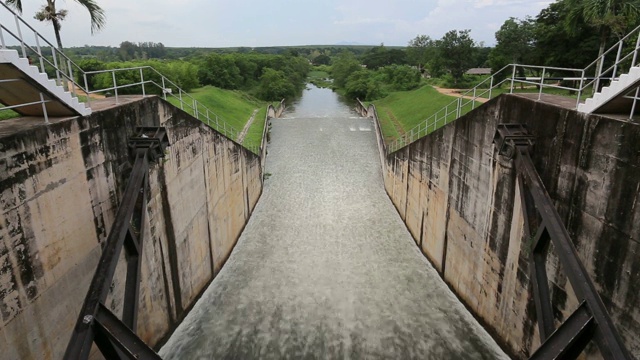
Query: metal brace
column 543, row 225
column 116, row 338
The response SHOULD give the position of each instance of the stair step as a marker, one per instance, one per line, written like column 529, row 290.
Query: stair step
column 53, row 90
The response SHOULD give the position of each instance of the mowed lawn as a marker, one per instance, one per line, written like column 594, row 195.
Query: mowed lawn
column 232, row 107
column 402, row 111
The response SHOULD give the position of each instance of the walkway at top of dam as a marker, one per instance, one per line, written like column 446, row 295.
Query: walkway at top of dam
column 325, row 267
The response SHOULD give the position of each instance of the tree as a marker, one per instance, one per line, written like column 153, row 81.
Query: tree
column 362, row 85
column 322, row 60
column 514, row 43
column 379, row 56
column 128, row 51
column 610, row 17
column 420, row 51
column 343, row 66
column 456, row 50
column 220, row 71
column 401, row 77
column 90, row 64
column 48, row 12
column 274, row 86
column 556, row 45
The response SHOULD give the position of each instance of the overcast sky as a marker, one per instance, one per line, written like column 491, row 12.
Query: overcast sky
column 230, row 23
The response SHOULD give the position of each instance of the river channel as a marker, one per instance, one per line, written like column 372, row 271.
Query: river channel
column 325, row 268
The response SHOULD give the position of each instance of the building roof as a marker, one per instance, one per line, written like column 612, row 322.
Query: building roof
column 479, row 71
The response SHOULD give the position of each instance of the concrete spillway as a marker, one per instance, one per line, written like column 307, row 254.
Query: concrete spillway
column 325, row 267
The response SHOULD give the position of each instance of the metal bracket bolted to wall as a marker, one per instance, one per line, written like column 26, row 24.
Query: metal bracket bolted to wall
column 116, row 338
column 543, row 225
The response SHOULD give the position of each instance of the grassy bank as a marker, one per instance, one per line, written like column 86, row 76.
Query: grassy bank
column 319, row 78
column 254, row 134
column 401, row 111
column 233, row 107
column 8, row 114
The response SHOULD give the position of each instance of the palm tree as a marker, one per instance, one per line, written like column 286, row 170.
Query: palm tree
column 48, row 12
column 610, row 17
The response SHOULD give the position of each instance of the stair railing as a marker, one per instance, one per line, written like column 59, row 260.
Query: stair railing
column 616, row 59
column 66, row 72
column 53, row 63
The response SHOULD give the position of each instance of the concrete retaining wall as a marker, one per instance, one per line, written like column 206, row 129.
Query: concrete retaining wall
column 59, row 189
column 460, row 202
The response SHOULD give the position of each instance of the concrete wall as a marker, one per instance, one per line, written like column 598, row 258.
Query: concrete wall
column 461, row 204
column 59, row 189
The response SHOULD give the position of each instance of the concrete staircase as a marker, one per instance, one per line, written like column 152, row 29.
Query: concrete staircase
column 611, row 99
column 24, row 84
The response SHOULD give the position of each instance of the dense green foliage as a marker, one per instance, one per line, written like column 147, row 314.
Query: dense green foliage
column 343, row 66
column 456, row 52
column 514, row 43
column 182, row 73
column 274, row 85
column 270, row 77
column 141, row 51
column 380, row 56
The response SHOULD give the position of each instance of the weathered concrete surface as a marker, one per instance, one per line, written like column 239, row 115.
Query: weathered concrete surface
column 325, row 268
column 461, row 204
column 59, row 189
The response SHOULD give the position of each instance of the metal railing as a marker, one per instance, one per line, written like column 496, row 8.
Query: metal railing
column 66, row 72
column 146, row 79
column 582, row 83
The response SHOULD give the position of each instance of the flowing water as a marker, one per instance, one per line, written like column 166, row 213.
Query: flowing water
column 325, row 267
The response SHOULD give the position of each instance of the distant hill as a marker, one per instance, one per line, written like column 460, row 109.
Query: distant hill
column 349, row 43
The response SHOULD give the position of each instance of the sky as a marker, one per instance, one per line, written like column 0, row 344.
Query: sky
column 255, row 23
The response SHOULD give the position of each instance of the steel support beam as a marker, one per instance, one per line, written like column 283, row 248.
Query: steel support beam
column 95, row 323
column 123, row 341
column 571, row 337
column 514, row 141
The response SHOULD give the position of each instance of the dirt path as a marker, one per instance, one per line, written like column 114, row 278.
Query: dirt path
column 457, row 92
column 244, row 131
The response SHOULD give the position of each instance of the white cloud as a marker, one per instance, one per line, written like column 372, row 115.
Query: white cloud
column 213, row 23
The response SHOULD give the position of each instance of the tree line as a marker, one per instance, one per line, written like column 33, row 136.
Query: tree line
column 268, row 77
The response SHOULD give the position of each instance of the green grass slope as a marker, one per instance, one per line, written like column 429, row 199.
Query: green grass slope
column 402, row 111
column 232, row 107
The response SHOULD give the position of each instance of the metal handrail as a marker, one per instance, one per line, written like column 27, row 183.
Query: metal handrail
column 65, row 76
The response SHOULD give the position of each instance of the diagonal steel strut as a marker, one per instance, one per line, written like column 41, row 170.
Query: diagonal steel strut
column 590, row 321
column 114, row 337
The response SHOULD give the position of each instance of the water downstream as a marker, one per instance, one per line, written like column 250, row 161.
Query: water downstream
column 325, row 267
